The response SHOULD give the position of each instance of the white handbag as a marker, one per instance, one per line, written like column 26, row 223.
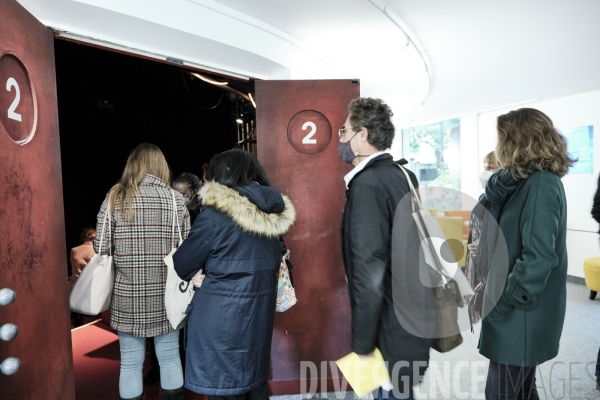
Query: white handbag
column 93, row 289
column 178, row 293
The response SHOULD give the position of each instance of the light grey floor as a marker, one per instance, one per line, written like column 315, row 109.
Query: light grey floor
column 461, row 373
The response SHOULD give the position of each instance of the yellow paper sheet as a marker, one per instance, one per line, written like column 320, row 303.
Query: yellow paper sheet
column 364, row 376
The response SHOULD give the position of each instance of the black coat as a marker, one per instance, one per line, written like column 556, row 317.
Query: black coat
column 372, row 199
column 229, row 326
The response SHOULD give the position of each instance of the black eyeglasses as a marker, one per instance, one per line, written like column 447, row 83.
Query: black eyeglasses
column 342, row 132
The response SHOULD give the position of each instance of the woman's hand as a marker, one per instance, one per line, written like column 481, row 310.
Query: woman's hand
column 198, row 278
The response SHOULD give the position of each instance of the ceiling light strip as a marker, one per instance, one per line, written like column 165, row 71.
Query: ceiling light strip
column 409, row 40
column 207, row 80
column 222, row 85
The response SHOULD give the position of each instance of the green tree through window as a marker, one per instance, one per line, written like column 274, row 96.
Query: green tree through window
column 434, row 156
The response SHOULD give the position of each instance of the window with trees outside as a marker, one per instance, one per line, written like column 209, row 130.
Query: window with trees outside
column 434, row 157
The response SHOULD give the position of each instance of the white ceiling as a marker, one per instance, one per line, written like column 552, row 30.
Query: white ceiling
column 481, row 54
column 487, row 54
column 356, row 38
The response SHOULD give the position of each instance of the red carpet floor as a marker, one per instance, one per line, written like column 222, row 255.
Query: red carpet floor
column 96, row 365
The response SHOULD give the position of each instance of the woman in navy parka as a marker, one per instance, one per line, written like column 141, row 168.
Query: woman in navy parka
column 236, row 241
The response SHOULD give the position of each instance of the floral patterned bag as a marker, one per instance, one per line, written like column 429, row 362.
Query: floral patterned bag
column 286, row 296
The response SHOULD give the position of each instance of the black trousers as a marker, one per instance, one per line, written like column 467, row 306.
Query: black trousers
column 598, row 365
column 507, row 382
column 260, row 393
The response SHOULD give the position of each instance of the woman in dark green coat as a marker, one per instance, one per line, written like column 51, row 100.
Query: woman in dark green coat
column 523, row 328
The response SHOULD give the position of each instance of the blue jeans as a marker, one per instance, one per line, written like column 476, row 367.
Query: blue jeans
column 133, row 351
column 383, row 395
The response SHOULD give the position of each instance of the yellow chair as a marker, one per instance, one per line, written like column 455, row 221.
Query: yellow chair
column 466, row 216
column 452, row 228
column 591, row 271
column 433, row 211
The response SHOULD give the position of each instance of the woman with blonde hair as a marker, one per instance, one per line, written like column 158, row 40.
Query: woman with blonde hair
column 527, row 199
column 490, row 166
column 490, row 162
column 141, row 218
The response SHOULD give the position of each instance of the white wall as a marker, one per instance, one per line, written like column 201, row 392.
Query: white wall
column 566, row 112
column 471, row 162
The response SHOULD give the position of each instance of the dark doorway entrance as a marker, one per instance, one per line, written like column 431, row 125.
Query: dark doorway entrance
column 108, row 103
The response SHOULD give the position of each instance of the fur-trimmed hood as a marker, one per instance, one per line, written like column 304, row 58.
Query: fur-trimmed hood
column 255, row 208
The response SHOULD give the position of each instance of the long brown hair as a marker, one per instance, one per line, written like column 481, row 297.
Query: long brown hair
column 143, row 160
column 528, row 140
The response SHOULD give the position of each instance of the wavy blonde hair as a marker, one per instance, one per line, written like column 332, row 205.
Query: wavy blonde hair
column 146, row 159
column 528, row 140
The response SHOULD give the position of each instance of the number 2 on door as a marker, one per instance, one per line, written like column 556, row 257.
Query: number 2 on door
column 308, row 138
column 10, row 83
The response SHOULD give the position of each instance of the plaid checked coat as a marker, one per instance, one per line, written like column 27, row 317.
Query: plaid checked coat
column 138, row 249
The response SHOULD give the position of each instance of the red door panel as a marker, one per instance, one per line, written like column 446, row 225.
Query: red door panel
column 297, row 124
column 32, row 238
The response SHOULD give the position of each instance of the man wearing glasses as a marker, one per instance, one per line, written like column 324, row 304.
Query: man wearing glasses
column 374, row 189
